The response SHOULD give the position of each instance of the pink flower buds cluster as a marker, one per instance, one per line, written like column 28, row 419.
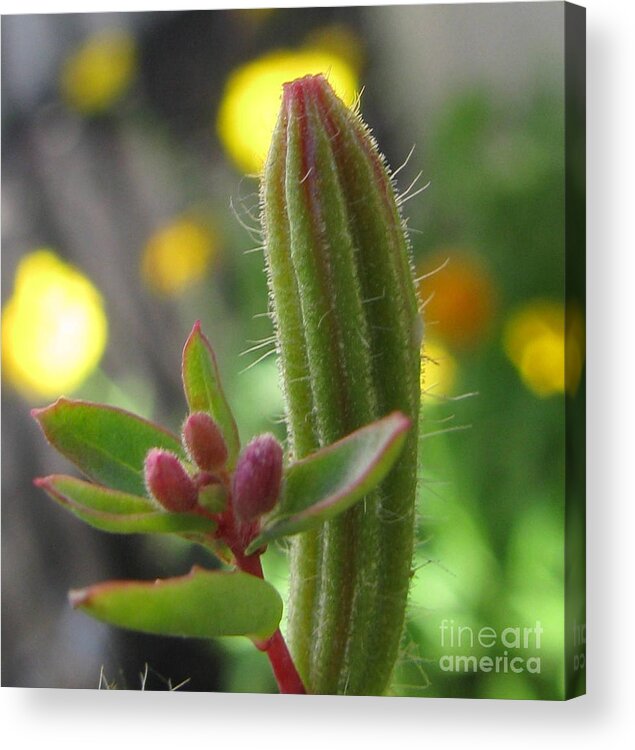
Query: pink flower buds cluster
column 168, row 480
column 255, row 484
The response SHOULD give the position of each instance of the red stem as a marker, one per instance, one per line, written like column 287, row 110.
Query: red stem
column 287, row 677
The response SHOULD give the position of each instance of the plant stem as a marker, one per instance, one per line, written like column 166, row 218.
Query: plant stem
column 287, row 677
column 284, row 670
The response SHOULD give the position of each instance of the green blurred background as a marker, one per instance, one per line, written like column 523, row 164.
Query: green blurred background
column 130, row 210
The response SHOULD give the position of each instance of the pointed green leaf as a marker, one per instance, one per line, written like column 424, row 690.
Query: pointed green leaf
column 109, row 445
column 329, row 481
column 203, row 389
column 119, row 512
column 201, row 604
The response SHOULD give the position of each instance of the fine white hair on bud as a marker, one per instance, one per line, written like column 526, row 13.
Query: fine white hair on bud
column 204, row 441
column 168, row 481
column 256, row 481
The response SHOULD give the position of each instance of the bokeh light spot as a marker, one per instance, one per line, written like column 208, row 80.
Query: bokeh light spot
column 178, row 255
column 251, row 99
column 534, row 340
column 461, row 297
column 438, row 370
column 54, row 327
column 99, row 72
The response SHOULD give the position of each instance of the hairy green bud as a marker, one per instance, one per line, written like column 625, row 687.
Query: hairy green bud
column 349, row 335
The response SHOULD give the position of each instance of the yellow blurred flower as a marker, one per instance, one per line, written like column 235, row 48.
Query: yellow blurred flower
column 177, row 255
column 438, row 370
column 99, row 72
column 54, row 327
column 251, row 99
column 461, row 297
column 534, row 340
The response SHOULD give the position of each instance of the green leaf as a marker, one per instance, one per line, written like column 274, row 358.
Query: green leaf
column 329, row 481
column 201, row 604
column 203, row 389
column 119, row 512
column 109, row 445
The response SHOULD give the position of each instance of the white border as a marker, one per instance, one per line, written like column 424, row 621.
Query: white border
column 603, row 718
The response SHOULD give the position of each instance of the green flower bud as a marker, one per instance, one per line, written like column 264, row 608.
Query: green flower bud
column 349, row 334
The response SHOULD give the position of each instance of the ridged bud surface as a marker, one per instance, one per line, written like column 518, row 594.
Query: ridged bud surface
column 168, row 481
column 348, row 334
column 204, row 441
column 257, row 478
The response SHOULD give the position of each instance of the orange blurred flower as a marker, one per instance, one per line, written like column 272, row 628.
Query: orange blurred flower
column 460, row 297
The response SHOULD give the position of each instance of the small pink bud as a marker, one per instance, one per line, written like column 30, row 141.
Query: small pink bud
column 168, row 481
column 256, row 481
column 204, row 441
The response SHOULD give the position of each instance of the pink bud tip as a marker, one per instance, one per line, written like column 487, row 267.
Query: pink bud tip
column 310, row 85
column 204, row 441
column 256, row 481
column 168, row 481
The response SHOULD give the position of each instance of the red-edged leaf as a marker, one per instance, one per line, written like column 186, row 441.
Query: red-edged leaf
column 119, row 512
column 201, row 604
column 203, row 389
column 107, row 444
